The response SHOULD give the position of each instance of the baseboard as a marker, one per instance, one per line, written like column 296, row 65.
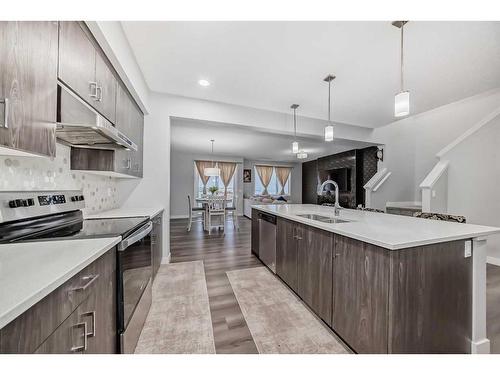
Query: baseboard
column 493, row 260
column 480, row 347
column 179, row 216
column 166, row 259
column 187, row 217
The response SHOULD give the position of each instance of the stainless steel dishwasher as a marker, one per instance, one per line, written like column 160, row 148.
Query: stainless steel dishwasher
column 267, row 240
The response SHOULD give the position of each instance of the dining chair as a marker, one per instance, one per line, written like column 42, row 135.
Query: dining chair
column 231, row 211
column 194, row 212
column 216, row 207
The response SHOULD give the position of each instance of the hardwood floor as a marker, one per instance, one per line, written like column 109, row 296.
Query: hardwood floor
column 220, row 253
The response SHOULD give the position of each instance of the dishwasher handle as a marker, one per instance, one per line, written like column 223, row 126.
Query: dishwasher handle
column 267, row 217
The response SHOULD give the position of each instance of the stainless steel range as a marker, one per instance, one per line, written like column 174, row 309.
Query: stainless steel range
column 57, row 215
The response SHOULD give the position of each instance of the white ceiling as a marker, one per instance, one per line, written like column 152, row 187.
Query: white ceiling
column 271, row 65
column 231, row 140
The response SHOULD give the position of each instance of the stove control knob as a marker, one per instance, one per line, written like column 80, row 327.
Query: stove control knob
column 31, row 201
column 24, row 202
column 81, row 198
column 74, row 198
column 18, row 203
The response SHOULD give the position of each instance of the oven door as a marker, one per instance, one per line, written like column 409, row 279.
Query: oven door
column 134, row 285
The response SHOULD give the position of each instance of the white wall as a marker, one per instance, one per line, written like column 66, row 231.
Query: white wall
column 182, row 179
column 474, row 180
column 411, row 144
column 295, row 178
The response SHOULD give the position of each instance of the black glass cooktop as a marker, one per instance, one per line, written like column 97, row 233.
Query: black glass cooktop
column 67, row 227
column 97, row 228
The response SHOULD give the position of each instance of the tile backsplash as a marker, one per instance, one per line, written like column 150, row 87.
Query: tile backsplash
column 33, row 173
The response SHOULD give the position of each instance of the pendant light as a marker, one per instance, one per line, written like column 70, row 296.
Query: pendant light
column 295, row 144
column 329, row 128
column 213, row 171
column 301, row 154
column 402, row 99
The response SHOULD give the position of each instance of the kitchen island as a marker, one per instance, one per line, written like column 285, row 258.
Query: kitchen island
column 384, row 283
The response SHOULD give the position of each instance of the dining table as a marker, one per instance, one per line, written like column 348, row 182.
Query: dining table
column 204, row 203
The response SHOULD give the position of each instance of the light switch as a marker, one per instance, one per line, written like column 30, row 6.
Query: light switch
column 433, row 193
column 468, row 249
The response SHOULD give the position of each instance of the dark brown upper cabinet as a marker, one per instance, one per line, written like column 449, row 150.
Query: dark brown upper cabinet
column 129, row 120
column 106, row 89
column 77, row 61
column 28, row 91
column 84, row 69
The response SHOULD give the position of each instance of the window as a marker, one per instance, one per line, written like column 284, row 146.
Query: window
column 214, row 181
column 274, row 187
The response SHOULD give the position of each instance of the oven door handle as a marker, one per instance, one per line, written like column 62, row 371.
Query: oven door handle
column 136, row 236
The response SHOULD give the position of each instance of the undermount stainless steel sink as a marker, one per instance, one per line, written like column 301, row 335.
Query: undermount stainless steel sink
column 324, row 219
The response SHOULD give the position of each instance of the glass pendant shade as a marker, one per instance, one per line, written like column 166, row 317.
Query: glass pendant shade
column 301, row 155
column 295, row 147
column 402, row 104
column 329, row 133
column 211, row 172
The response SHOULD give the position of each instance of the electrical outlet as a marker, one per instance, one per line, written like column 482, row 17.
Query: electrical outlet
column 468, row 249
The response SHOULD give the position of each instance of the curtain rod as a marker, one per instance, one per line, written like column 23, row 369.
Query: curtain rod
column 275, row 165
column 221, row 161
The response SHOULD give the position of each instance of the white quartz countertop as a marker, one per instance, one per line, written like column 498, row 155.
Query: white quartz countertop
column 30, row 271
column 392, row 232
column 127, row 212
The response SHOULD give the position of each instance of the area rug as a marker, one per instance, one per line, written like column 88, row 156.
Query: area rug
column 278, row 320
column 179, row 320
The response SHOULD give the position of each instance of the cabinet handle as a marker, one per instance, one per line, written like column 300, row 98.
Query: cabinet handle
column 92, row 315
column 93, row 87
column 336, row 255
column 5, row 102
column 129, row 163
column 98, row 92
column 81, row 348
column 91, row 279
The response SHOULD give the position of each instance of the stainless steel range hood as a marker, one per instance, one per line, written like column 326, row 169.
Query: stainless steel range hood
column 79, row 125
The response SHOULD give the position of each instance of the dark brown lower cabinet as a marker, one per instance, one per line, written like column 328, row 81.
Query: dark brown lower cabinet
column 430, row 299
column 360, row 294
column 77, row 317
column 286, row 252
column 314, row 266
column 255, row 232
column 157, row 242
column 415, row 300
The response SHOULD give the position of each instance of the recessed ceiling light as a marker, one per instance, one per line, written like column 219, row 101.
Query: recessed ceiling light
column 204, row 83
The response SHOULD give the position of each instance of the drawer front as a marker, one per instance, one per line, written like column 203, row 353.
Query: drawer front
column 28, row 331
column 71, row 337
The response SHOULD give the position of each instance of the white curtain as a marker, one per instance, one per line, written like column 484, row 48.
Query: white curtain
column 227, row 170
column 265, row 173
column 283, row 173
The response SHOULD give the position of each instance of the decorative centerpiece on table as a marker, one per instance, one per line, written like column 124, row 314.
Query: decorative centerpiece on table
column 213, row 189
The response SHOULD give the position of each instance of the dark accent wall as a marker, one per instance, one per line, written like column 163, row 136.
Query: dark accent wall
column 361, row 162
column 309, row 181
